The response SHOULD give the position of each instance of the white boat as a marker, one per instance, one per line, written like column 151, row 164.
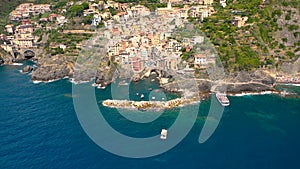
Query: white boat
column 123, row 83
column 101, row 87
column 163, row 134
column 222, row 98
column 142, row 96
column 16, row 64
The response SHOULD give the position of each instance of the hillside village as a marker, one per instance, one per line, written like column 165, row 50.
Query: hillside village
column 61, row 29
column 23, row 36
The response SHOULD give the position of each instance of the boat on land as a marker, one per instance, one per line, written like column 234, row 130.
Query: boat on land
column 163, row 134
column 222, row 98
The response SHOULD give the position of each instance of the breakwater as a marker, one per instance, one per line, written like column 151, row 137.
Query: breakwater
column 144, row 105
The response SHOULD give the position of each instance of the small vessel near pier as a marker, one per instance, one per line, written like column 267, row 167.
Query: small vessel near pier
column 222, row 98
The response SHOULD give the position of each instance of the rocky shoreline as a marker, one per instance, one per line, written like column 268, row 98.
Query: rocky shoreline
column 58, row 67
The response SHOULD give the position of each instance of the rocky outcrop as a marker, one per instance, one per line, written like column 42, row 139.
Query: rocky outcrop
column 291, row 68
column 47, row 72
column 248, row 87
column 237, row 82
column 5, row 58
column 53, row 68
column 27, row 69
column 1, row 61
column 59, row 67
column 255, row 81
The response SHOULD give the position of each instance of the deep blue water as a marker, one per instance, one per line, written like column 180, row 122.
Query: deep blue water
column 39, row 129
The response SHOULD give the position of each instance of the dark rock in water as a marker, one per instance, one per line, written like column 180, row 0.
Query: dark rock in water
column 1, row 61
column 27, row 69
column 136, row 78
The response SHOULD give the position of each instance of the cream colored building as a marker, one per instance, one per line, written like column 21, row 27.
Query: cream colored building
column 9, row 28
column 207, row 2
column 165, row 11
column 239, row 21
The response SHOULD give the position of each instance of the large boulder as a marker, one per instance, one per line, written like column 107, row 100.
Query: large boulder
column 1, row 61
column 27, row 69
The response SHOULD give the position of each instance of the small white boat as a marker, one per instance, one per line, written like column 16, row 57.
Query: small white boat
column 101, row 87
column 222, row 98
column 123, row 83
column 142, row 96
column 153, row 98
column 163, row 134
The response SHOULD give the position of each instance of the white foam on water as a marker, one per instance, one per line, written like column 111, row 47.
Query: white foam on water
column 16, row 64
column 252, row 93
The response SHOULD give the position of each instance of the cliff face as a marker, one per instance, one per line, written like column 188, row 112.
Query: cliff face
column 255, row 81
column 56, row 67
column 291, row 68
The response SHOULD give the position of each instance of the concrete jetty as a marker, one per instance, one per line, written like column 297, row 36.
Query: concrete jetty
column 144, row 105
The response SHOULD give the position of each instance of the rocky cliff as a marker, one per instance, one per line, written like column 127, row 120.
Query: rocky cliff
column 53, row 68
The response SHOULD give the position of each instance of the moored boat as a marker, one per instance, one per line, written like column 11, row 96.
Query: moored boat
column 222, row 98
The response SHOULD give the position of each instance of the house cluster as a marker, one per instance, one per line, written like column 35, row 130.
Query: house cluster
column 287, row 79
column 21, row 36
column 239, row 21
column 148, row 42
column 100, row 11
column 202, row 2
column 26, row 10
column 145, row 43
column 194, row 11
column 203, row 59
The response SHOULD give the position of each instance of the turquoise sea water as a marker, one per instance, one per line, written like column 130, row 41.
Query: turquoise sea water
column 39, row 129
